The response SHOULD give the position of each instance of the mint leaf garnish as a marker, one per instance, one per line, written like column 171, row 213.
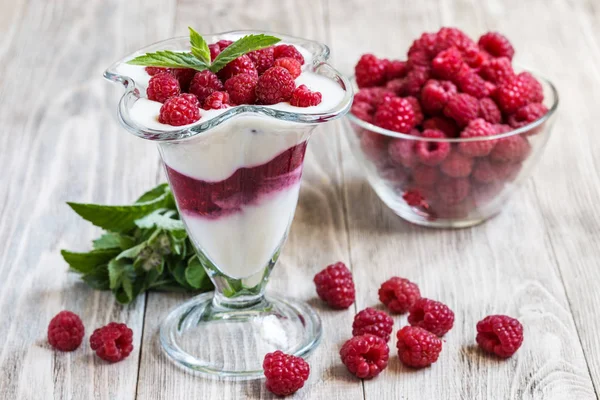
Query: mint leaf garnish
column 162, row 219
column 195, row 274
column 169, row 59
column 240, row 47
column 112, row 240
column 87, row 262
column 200, row 48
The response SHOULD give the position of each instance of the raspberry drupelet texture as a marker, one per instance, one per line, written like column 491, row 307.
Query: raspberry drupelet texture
column 204, row 83
column 452, row 191
column 216, row 101
column 285, row 373
column 432, row 316
column 447, row 63
column 398, row 294
column 512, row 149
column 262, row 59
column 215, row 49
column 500, row 334
column 287, row 50
column 374, row 322
column 497, row 45
column 395, row 114
column 242, row 89
column 162, row 86
column 497, row 70
column 435, row 94
column 446, row 125
column 402, row 152
column 241, row 65
column 370, row 71
column 373, row 96
column 363, row 111
column 223, row 44
column 416, row 106
column 274, row 86
column 417, row 347
column 432, row 153
column 335, row 286
column 477, row 128
column 518, row 92
column 291, row 64
column 113, row 342
column 469, row 82
column 191, row 98
column 462, row 108
column 413, row 82
column 489, row 111
column 303, row 97
column 365, row 356
column 179, row 111
column 457, row 165
column 395, row 69
column 65, row 331
column 527, row 114
column 155, row 70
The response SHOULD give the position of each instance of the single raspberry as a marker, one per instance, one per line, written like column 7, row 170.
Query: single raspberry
column 262, row 59
column 452, row 191
column 457, row 165
column 303, row 97
column 65, row 331
column 204, row 83
column 363, row 111
column 216, row 101
column 426, row 44
column 447, row 63
column 497, row 45
column 155, row 70
column 113, row 342
column 241, row 65
column 484, row 171
column 287, row 50
column 373, row 95
column 419, row 58
column 435, row 94
column 417, row 347
column 191, row 98
column 242, row 89
column 536, row 91
column 215, row 49
column 489, row 111
column 497, row 70
column 527, row 114
column 432, row 316
column 512, row 149
column 474, row 56
column 291, row 64
column 398, row 294
column 335, row 286
column 413, row 81
column 370, row 71
column 274, row 86
column 518, row 92
column 395, row 114
column 223, row 44
column 373, row 322
column 432, row 153
column 448, row 37
column 416, row 106
column 462, row 108
column 477, row 128
column 184, row 77
column 285, row 373
column 162, row 86
column 178, row 111
column 415, row 197
column 469, row 82
column 365, row 356
column 402, row 152
column 446, row 125
column 426, row 176
column 395, row 69
column 500, row 334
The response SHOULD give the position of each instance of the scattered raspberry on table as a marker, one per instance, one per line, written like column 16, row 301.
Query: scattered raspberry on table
column 398, row 294
column 374, row 322
column 65, row 331
column 500, row 334
column 417, row 347
column 335, row 286
column 432, row 316
column 285, row 373
column 365, row 356
column 113, row 342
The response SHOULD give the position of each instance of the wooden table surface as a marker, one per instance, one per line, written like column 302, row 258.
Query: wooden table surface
column 538, row 260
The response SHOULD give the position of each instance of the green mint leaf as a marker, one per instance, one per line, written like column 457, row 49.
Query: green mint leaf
column 200, row 48
column 196, row 276
column 135, row 251
column 98, row 279
column 169, row 59
column 154, row 193
column 240, row 47
column 86, row 263
column 161, row 219
column 127, row 288
column 112, row 240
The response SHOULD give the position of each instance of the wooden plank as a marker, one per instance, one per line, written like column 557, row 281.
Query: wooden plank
column 61, row 142
column 507, row 265
column 318, row 234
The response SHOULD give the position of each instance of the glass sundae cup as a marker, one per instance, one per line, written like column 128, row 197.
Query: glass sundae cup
column 235, row 175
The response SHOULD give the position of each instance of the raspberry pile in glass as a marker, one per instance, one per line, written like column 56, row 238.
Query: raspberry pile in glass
column 263, row 77
column 449, row 87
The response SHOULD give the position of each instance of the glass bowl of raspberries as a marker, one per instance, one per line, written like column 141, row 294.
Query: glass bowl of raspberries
column 446, row 136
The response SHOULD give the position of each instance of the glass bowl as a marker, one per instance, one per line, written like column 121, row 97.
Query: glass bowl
column 427, row 195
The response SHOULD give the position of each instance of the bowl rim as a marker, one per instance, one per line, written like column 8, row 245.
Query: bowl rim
column 525, row 128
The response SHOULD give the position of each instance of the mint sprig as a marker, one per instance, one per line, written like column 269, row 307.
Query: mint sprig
column 199, row 58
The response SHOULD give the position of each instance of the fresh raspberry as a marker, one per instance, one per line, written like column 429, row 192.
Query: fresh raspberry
column 413, row 81
column 426, row 43
column 204, row 83
column 527, row 114
column 416, row 106
column 502, row 128
column 462, row 108
column 497, row 70
column 497, row 45
column 373, row 322
column 184, row 77
column 414, row 198
column 113, row 342
column 242, row 89
column 363, row 111
column 448, row 37
column 178, row 111
column 518, row 92
column 241, row 65
column 484, row 171
column 303, row 97
column 216, row 101
column 396, row 86
column 419, row 58
column 402, row 152
column 435, row 94
column 424, row 175
column 215, row 49
column 155, row 70
column 469, row 82
column 536, row 91
column 432, row 316
column 285, row 373
column 452, row 191
column 287, row 50
column 65, row 331
column 446, row 125
column 395, row 69
column 489, row 111
column 162, row 86
column 417, row 347
column 432, row 153
column 223, row 44
column 474, row 56
column 262, row 59
column 274, row 86
column 512, row 149
column 373, row 95
column 335, row 286
column 507, row 172
column 457, row 165
column 398, row 294
column 477, row 128
column 395, row 114
column 191, row 98
column 447, row 63
column 291, row 64
column 370, row 71
column 365, row 356
column 500, row 334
